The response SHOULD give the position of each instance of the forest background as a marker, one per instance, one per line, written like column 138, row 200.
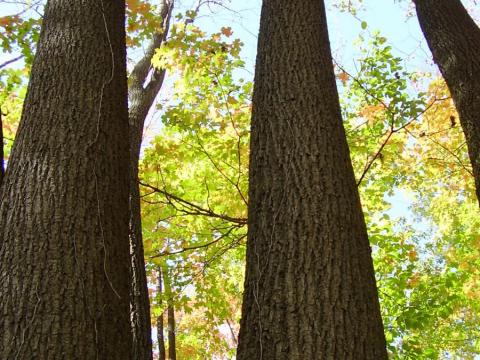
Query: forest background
column 407, row 148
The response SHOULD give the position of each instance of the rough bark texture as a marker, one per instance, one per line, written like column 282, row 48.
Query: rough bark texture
column 64, row 256
column 454, row 39
column 142, row 95
column 160, row 329
column 310, row 290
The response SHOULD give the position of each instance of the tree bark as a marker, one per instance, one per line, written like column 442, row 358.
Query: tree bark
column 310, row 289
column 142, row 97
column 64, row 251
column 454, row 39
column 172, row 350
column 160, row 336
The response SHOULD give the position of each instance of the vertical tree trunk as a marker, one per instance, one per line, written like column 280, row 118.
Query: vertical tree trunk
column 172, row 350
column 454, row 39
column 64, row 256
column 310, row 290
column 141, row 99
column 160, row 336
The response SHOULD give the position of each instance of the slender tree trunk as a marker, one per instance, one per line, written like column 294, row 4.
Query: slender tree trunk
column 142, row 97
column 64, row 257
column 172, row 351
column 310, row 289
column 454, row 39
column 160, row 335
column 232, row 333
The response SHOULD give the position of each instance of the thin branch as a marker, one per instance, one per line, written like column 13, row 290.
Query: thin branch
column 455, row 156
column 8, row 62
column 233, row 183
column 195, row 247
column 194, row 209
column 390, row 134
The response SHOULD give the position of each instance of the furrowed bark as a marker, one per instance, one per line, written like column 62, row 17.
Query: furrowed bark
column 64, row 252
column 454, row 39
column 310, row 289
column 142, row 95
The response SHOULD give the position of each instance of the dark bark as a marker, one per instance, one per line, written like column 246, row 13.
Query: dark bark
column 64, row 256
column 2, row 154
column 454, row 39
column 142, row 95
column 310, row 289
column 172, row 350
column 160, row 329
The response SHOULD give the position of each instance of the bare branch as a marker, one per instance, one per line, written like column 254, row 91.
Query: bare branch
column 193, row 209
column 8, row 62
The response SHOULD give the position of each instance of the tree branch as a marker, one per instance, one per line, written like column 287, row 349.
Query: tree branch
column 8, row 62
column 193, row 209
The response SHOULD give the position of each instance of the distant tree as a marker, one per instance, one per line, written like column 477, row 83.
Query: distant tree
column 454, row 39
column 310, row 289
column 144, row 86
column 160, row 318
column 64, row 253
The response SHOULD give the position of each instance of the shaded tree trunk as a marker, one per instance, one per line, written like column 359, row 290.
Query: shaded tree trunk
column 160, row 329
column 64, row 251
column 310, row 289
column 142, row 95
column 454, row 39
column 172, row 350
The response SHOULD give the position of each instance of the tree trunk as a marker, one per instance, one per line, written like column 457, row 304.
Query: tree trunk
column 64, row 257
column 310, row 289
column 160, row 336
column 454, row 39
column 172, row 351
column 141, row 100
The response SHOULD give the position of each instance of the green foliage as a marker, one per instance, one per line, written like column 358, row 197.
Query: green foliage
column 20, row 35
column 196, row 193
column 143, row 19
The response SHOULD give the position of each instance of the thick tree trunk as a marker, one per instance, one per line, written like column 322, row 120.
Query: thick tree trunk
column 454, row 39
column 310, row 289
column 64, row 257
column 141, row 100
column 160, row 329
